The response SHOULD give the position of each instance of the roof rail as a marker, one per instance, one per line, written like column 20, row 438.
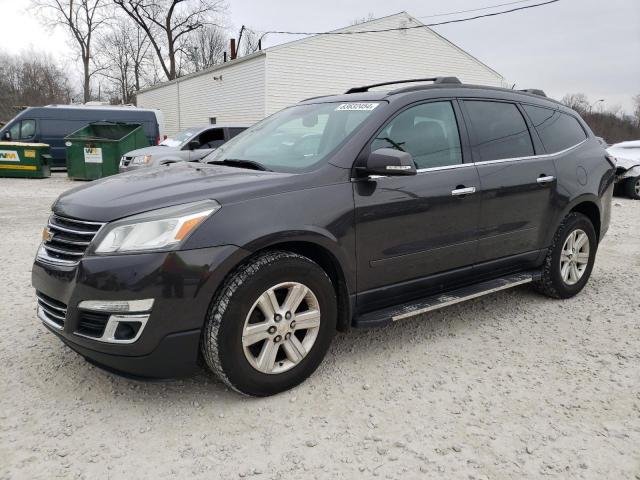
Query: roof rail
column 535, row 91
column 435, row 80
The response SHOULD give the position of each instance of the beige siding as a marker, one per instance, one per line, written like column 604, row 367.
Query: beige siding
column 333, row 63
column 231, row 94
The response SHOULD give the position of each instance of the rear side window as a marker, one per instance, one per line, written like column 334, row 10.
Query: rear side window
column 428, row 132
column 500, row 131
column 558, row 131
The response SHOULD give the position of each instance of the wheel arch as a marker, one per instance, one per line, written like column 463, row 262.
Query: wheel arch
column 329, row 262
column 591, row 210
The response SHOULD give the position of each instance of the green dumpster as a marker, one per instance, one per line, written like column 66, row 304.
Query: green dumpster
column 95, row 150
column 26, row 160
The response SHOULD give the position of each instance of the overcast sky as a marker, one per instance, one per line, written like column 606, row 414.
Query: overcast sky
column 589, row 46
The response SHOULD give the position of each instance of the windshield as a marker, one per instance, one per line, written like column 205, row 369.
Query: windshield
column 297, row 138
column 179, row 139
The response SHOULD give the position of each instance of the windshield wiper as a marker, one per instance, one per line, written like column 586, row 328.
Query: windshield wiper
column 396, row 145
column 236, row 162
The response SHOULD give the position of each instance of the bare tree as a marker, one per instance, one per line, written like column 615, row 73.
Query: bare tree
column 578, row 101
column 123, row 55
column 206, row 47
column 636, row 110
column 251, row 42
column 30, row 79
column 370, row 16
column 167, row 23
column 83, row 18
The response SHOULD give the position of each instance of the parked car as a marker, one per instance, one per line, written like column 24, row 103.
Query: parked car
column 354, row 210
column 52, row 123
column 627, row 156
column 189, row 145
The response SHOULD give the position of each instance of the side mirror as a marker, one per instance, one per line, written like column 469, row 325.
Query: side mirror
column 6, row 135
column 389, row 161
column 194, row 145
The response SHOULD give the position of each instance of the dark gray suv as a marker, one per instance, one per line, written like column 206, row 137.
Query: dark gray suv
column 340, row 212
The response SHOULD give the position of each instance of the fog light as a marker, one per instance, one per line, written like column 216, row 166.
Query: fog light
column 117, row 306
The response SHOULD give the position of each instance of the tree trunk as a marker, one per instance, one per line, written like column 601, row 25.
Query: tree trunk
column 87, row 80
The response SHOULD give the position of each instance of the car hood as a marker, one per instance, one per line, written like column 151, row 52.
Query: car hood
column 626, row 157
column 153, row 150
column 142, row 190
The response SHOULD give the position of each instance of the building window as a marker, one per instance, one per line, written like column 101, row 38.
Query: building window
column 213, row 120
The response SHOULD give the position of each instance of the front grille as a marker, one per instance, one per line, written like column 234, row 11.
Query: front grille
column 69, row 238
column 92, row 324
column 54, row 310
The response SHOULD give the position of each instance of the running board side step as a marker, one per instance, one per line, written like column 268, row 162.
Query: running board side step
column 380, row 318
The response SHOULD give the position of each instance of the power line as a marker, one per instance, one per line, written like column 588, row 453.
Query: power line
column 459, row 20
column 473, row 9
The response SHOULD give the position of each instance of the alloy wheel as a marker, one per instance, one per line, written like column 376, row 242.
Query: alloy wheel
column 281, row 327
column 574, row 257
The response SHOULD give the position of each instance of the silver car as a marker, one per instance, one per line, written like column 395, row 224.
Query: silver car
column 190, row 145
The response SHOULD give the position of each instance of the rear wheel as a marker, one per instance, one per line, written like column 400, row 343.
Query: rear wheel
column 270, row 326
column 569, row 261
column 632, row 187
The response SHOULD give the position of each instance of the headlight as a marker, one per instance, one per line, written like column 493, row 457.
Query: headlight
column 165, row 228
column 141, row 159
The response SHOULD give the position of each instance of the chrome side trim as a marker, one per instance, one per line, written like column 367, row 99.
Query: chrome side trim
column 531, row 157
column 445, row 167
column 448, row 300
column 488, row 162
column 109, row 333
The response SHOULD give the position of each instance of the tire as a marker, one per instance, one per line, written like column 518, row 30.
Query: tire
column 632, row 187
column 553, row 284
column 239, row 308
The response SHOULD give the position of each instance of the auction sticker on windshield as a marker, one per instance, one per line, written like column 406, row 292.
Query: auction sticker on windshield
column 360, row 107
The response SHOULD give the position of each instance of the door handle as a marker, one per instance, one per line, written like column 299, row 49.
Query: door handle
column 545, row 179
column 463, row 191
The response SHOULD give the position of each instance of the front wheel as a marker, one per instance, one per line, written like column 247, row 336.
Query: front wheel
column 271, row 324
column 570, row 258
column 632, row 187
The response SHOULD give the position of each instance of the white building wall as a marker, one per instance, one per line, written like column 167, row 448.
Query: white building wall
column 164, row 99
column 233, row 93
column 333, row 63
column 248, row 89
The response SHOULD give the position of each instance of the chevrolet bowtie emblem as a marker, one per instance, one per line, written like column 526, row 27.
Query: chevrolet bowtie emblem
column 47, row 235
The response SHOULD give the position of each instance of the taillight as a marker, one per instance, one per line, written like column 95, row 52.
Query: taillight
column 611, row 159
column 158, row 140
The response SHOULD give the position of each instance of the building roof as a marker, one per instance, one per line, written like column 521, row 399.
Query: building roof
column 357, row 27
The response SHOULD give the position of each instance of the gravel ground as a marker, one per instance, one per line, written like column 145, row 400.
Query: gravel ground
column 512, row 385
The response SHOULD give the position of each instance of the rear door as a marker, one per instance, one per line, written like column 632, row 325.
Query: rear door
column 411, row 228
column 517, row 180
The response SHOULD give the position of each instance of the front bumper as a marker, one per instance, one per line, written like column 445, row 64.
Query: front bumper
column 182, row 284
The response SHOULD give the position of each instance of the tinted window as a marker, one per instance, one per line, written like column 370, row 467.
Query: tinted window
column 500, row 131
column 235, row 131
column 557, row 131
column 429, row 132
